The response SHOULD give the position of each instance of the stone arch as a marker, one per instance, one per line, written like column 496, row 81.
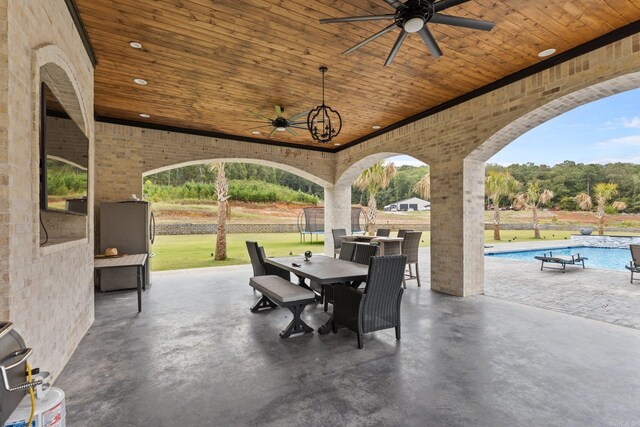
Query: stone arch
column 54, row 68
column 296, row 171
column 531, row 119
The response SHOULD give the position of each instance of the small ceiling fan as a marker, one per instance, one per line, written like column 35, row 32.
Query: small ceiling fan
column 281, row 123
column 412, row 16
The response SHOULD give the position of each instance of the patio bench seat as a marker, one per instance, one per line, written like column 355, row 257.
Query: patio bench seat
column 277, row 291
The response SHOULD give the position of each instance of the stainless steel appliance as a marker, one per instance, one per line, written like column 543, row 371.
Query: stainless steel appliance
column 13, row 359
column 130, row 227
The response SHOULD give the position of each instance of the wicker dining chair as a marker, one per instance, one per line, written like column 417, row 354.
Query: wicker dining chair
column 410, row 246
column 383, row 232
column 378, row 306
column 347, row 251
column 260, row 268
column 337, row 234
column 346, row 254
column 401, row 233
column 364, row 252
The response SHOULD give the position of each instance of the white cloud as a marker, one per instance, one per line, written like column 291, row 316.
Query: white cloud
column 625, row 141
column 633, row 122
column 622, row 122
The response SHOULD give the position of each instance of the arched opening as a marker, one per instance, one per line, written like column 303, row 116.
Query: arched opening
column 394, row 191
column 581, row 145
column 265, row 200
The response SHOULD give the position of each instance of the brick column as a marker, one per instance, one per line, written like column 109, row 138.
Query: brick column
column 457, row 227
column 337, row 213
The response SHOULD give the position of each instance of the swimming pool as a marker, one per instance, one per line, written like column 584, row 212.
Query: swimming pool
column 607, row 258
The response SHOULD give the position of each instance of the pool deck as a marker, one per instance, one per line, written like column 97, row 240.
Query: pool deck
column 598, row 294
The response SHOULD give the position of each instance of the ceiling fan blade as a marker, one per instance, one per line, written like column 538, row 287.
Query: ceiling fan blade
column 297, row 116
column 394, row 3
column 259, row 115
column 357, row 18
column 371, row 38
column 278, row 111
column 291, row 131
column 446, row 4
column 430, row 42
column 253, row 121
column 272, row 132
column 396, row 47
column 457, row 21
column 298, row 127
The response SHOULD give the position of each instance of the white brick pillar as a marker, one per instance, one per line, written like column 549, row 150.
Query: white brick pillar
column 337, row 213
column 457, row 227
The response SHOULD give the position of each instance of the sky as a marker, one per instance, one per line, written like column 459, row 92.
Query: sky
column 604, row 131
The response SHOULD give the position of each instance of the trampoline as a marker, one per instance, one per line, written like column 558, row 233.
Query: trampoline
column 311, row 222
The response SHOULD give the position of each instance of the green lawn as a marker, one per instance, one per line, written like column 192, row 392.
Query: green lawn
column 194, row 251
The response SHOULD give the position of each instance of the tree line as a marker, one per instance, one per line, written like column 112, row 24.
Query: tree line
column 235, row 172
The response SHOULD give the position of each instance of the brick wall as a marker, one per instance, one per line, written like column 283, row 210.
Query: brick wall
column 46, row 292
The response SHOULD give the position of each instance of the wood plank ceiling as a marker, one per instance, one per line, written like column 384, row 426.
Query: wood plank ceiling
column 208, row 62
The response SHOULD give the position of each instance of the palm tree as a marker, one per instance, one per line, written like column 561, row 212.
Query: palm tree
column 497, row 185
column 532, row 199
column 374, row 179
column 423, row 186
column 603, row 192
column 224, row 210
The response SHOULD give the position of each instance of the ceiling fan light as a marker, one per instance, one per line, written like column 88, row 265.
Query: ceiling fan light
column 413, row 25
column 281, row 129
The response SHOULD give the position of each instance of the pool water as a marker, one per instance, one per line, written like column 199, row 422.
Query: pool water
column 607, row 258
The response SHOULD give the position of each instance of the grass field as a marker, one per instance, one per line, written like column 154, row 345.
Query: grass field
column 194, row 251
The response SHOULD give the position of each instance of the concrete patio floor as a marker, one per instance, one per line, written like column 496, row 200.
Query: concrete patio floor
column 197, row 356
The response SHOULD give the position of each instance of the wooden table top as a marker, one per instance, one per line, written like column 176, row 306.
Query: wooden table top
column 322, row 269
column 132, row 260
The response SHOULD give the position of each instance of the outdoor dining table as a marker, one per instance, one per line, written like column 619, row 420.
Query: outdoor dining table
column 322, row 270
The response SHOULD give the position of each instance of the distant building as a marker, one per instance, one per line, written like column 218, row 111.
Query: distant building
column 412, row 204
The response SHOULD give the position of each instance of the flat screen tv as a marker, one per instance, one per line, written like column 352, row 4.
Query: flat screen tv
column 64, row 158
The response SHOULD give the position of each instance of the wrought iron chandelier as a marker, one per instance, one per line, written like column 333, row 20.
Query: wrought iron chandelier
column 324, row 123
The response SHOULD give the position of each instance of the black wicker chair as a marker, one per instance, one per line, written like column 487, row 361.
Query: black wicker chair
column 378, row 306
column 383, row 232
column 346, row 254
column 401, row 233
column 347, row 251
column 364, row 252
column 337, row 239
column 410, row 246
column 260, row 268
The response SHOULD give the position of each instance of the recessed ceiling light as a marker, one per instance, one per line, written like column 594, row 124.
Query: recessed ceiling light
column 336, row 144
column 376, row 127
column 141, row 82
column 546, row 52
column 256, row 132
column 135, row 45
column 144, row 115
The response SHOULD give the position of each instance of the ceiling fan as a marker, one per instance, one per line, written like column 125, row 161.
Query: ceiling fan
column 412, row 16
column 281, row 123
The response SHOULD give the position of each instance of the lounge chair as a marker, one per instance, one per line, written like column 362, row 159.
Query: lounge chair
column 634, row 264
column 564, row 260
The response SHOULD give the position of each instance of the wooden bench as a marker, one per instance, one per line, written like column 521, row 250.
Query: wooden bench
column 277, row 291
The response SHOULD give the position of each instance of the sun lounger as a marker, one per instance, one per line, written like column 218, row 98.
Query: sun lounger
column 564, row 260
